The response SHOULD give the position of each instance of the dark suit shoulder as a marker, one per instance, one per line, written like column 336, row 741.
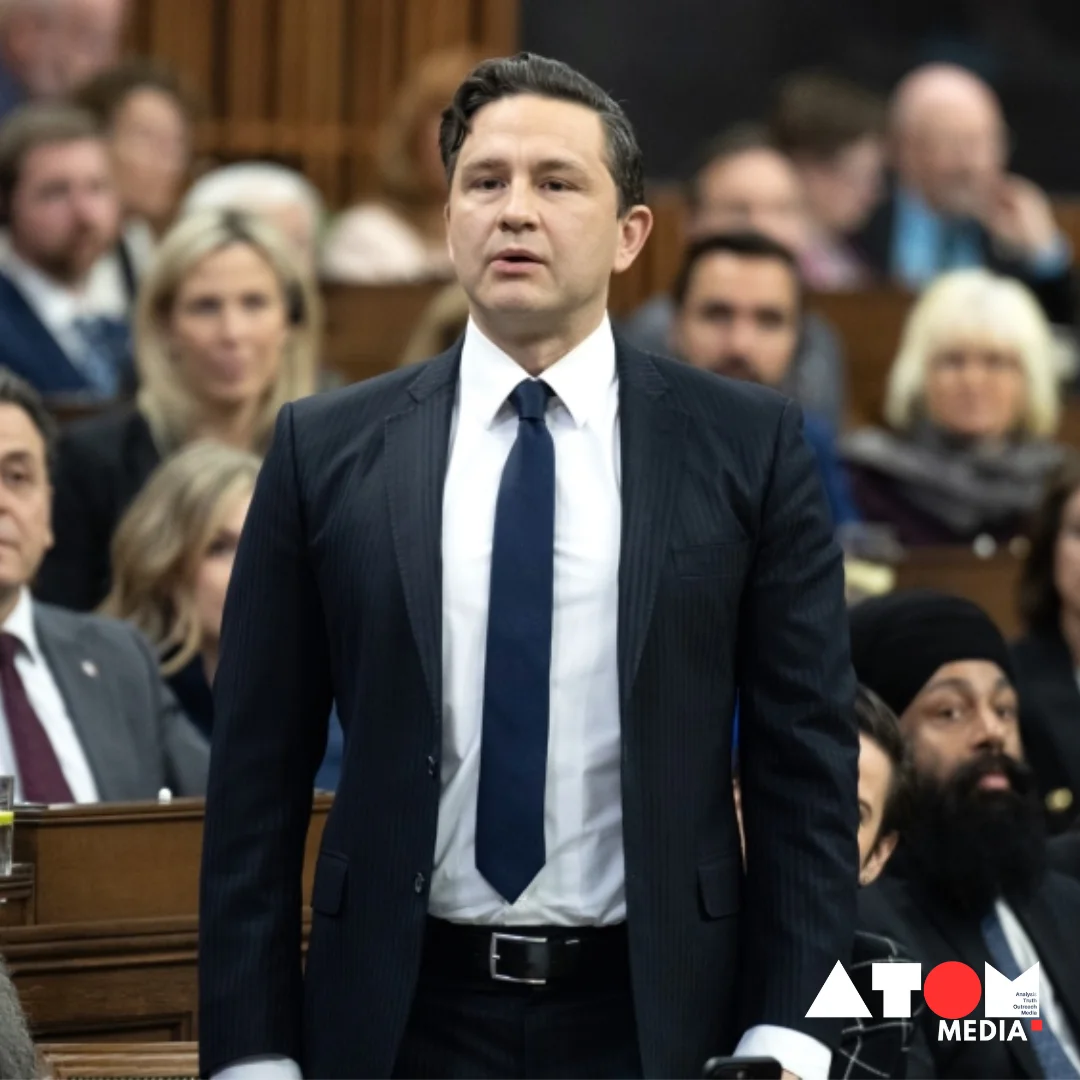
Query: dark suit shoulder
column 107, row 435
column 60, row 622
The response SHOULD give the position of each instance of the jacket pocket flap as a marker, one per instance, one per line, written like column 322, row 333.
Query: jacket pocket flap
column 720, row 881
column 329, row 890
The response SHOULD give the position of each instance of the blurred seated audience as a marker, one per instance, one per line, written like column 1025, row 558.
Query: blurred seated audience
column 875, row 1046
column 400, row 234
column 1047, row 657
column 954, row 205
column 227, row 330
column 282, row 195
column 147, row 119
column 969, row 880
column 739, row 312
column 86, row 716
column 49, row 47
column 833, row 132
column 59, row 202
column 171, row 560
column 972, row 404
column 746, row 183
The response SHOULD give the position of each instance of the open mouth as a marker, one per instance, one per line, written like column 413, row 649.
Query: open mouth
column 515, row 259
column 994, row 781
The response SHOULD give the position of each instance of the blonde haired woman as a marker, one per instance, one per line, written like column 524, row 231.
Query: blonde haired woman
column 226, row 331
column 972, row 405
column 172, row 556
column 400, row 235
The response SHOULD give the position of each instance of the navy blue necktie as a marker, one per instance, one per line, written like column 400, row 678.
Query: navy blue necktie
column 517, row 671
column 104, row 347
column 1048, row 1049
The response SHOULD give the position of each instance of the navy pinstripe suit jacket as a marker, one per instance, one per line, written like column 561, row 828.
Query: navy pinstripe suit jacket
column 729, row 582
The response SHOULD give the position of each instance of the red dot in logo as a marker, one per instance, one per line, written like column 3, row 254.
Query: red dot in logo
column 1036, row 1025
column 952, row 990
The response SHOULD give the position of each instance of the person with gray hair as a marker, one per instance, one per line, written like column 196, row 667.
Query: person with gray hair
column 280, row 194
column 18, row 1059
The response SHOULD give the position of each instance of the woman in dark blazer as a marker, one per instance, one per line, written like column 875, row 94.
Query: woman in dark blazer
column 1047, row 658
column 225, row 333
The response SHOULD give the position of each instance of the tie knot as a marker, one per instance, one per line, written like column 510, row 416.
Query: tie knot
column 530, row 398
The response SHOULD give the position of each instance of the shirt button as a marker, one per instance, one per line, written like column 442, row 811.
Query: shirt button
column 432, row 765
column 418, row 884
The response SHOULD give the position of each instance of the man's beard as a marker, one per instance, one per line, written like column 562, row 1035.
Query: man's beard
column 971, row 846
column 737, row 367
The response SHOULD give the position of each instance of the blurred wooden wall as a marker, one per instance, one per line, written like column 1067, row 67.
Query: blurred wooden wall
column 306, row 82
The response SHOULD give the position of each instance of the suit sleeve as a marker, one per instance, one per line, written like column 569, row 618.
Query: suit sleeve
column 272, row 697
column 798, row 749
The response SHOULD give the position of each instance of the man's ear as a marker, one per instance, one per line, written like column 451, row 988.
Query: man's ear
column 634, row 229
column 877, row 859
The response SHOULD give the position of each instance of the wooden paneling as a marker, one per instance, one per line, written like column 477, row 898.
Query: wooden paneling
column 100, row 919
column 307, row 82
column 121, row 1061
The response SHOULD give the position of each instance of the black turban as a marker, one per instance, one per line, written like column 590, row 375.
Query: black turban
column 899, row 640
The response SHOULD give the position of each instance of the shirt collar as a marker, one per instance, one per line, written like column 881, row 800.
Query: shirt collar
column 56, row 306
column 580, row 379
column 20, row 624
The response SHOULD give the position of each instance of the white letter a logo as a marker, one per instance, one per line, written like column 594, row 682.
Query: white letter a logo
column 837, row 998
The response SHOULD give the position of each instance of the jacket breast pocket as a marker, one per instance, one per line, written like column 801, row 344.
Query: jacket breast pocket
column 725, row 559
column 331, row 874
column 720, row 884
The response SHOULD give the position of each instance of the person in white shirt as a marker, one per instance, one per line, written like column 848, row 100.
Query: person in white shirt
column 533, row 573
column 60, row 206
column 969, row 880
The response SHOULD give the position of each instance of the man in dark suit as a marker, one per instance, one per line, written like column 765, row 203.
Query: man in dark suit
column 969, row 881
column 534, row 573
column 84, row 713
column 62, row 212
column 953, row 205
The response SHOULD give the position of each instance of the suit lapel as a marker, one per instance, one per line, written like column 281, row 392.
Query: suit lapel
column 417, row 447
column 85, row 690
column 652, row 433
column 45, row 363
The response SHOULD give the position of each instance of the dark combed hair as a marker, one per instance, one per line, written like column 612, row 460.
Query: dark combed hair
column 1040, row 604
column 527, row 73
column 732, row 142
column 18, row 392
column 104, row 94
column 878, row 722
column 744, row 244
column 817, row 114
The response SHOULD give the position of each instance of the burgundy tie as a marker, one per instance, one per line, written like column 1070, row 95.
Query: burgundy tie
column 39, row 769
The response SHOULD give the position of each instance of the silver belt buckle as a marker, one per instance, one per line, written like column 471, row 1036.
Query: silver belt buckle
column 493, row 958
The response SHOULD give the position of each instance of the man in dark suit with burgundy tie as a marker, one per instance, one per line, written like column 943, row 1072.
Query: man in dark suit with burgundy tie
column 535, row 573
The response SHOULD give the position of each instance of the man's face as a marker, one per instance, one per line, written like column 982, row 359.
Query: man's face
column 875, row 783
column 64, row 209
column 88, row 39
column 967, row 711
column 740, row 317
column 757, row 190
column 25, row 499
column 533, row 225
column 953, row 153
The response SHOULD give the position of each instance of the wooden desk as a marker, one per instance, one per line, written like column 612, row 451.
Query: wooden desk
column 99, row 923
column 368, row 326
column 120, row 1061
column 992, row 583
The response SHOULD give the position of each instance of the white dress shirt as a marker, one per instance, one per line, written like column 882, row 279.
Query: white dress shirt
column 47, row 702
column 1024, row 953
column 582, row 881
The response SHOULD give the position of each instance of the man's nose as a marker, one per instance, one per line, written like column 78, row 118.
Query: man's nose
column 519, row 207
column 992, row 730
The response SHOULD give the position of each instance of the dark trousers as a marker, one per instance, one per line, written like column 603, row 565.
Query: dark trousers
column 467, row 1027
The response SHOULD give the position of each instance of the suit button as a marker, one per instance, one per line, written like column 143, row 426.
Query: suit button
column 418, row 884
column 432, row 765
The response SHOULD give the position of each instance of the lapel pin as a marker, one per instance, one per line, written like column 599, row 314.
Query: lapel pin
column 90, row 668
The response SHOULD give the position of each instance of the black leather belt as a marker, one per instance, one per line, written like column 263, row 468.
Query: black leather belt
column 527, row 956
